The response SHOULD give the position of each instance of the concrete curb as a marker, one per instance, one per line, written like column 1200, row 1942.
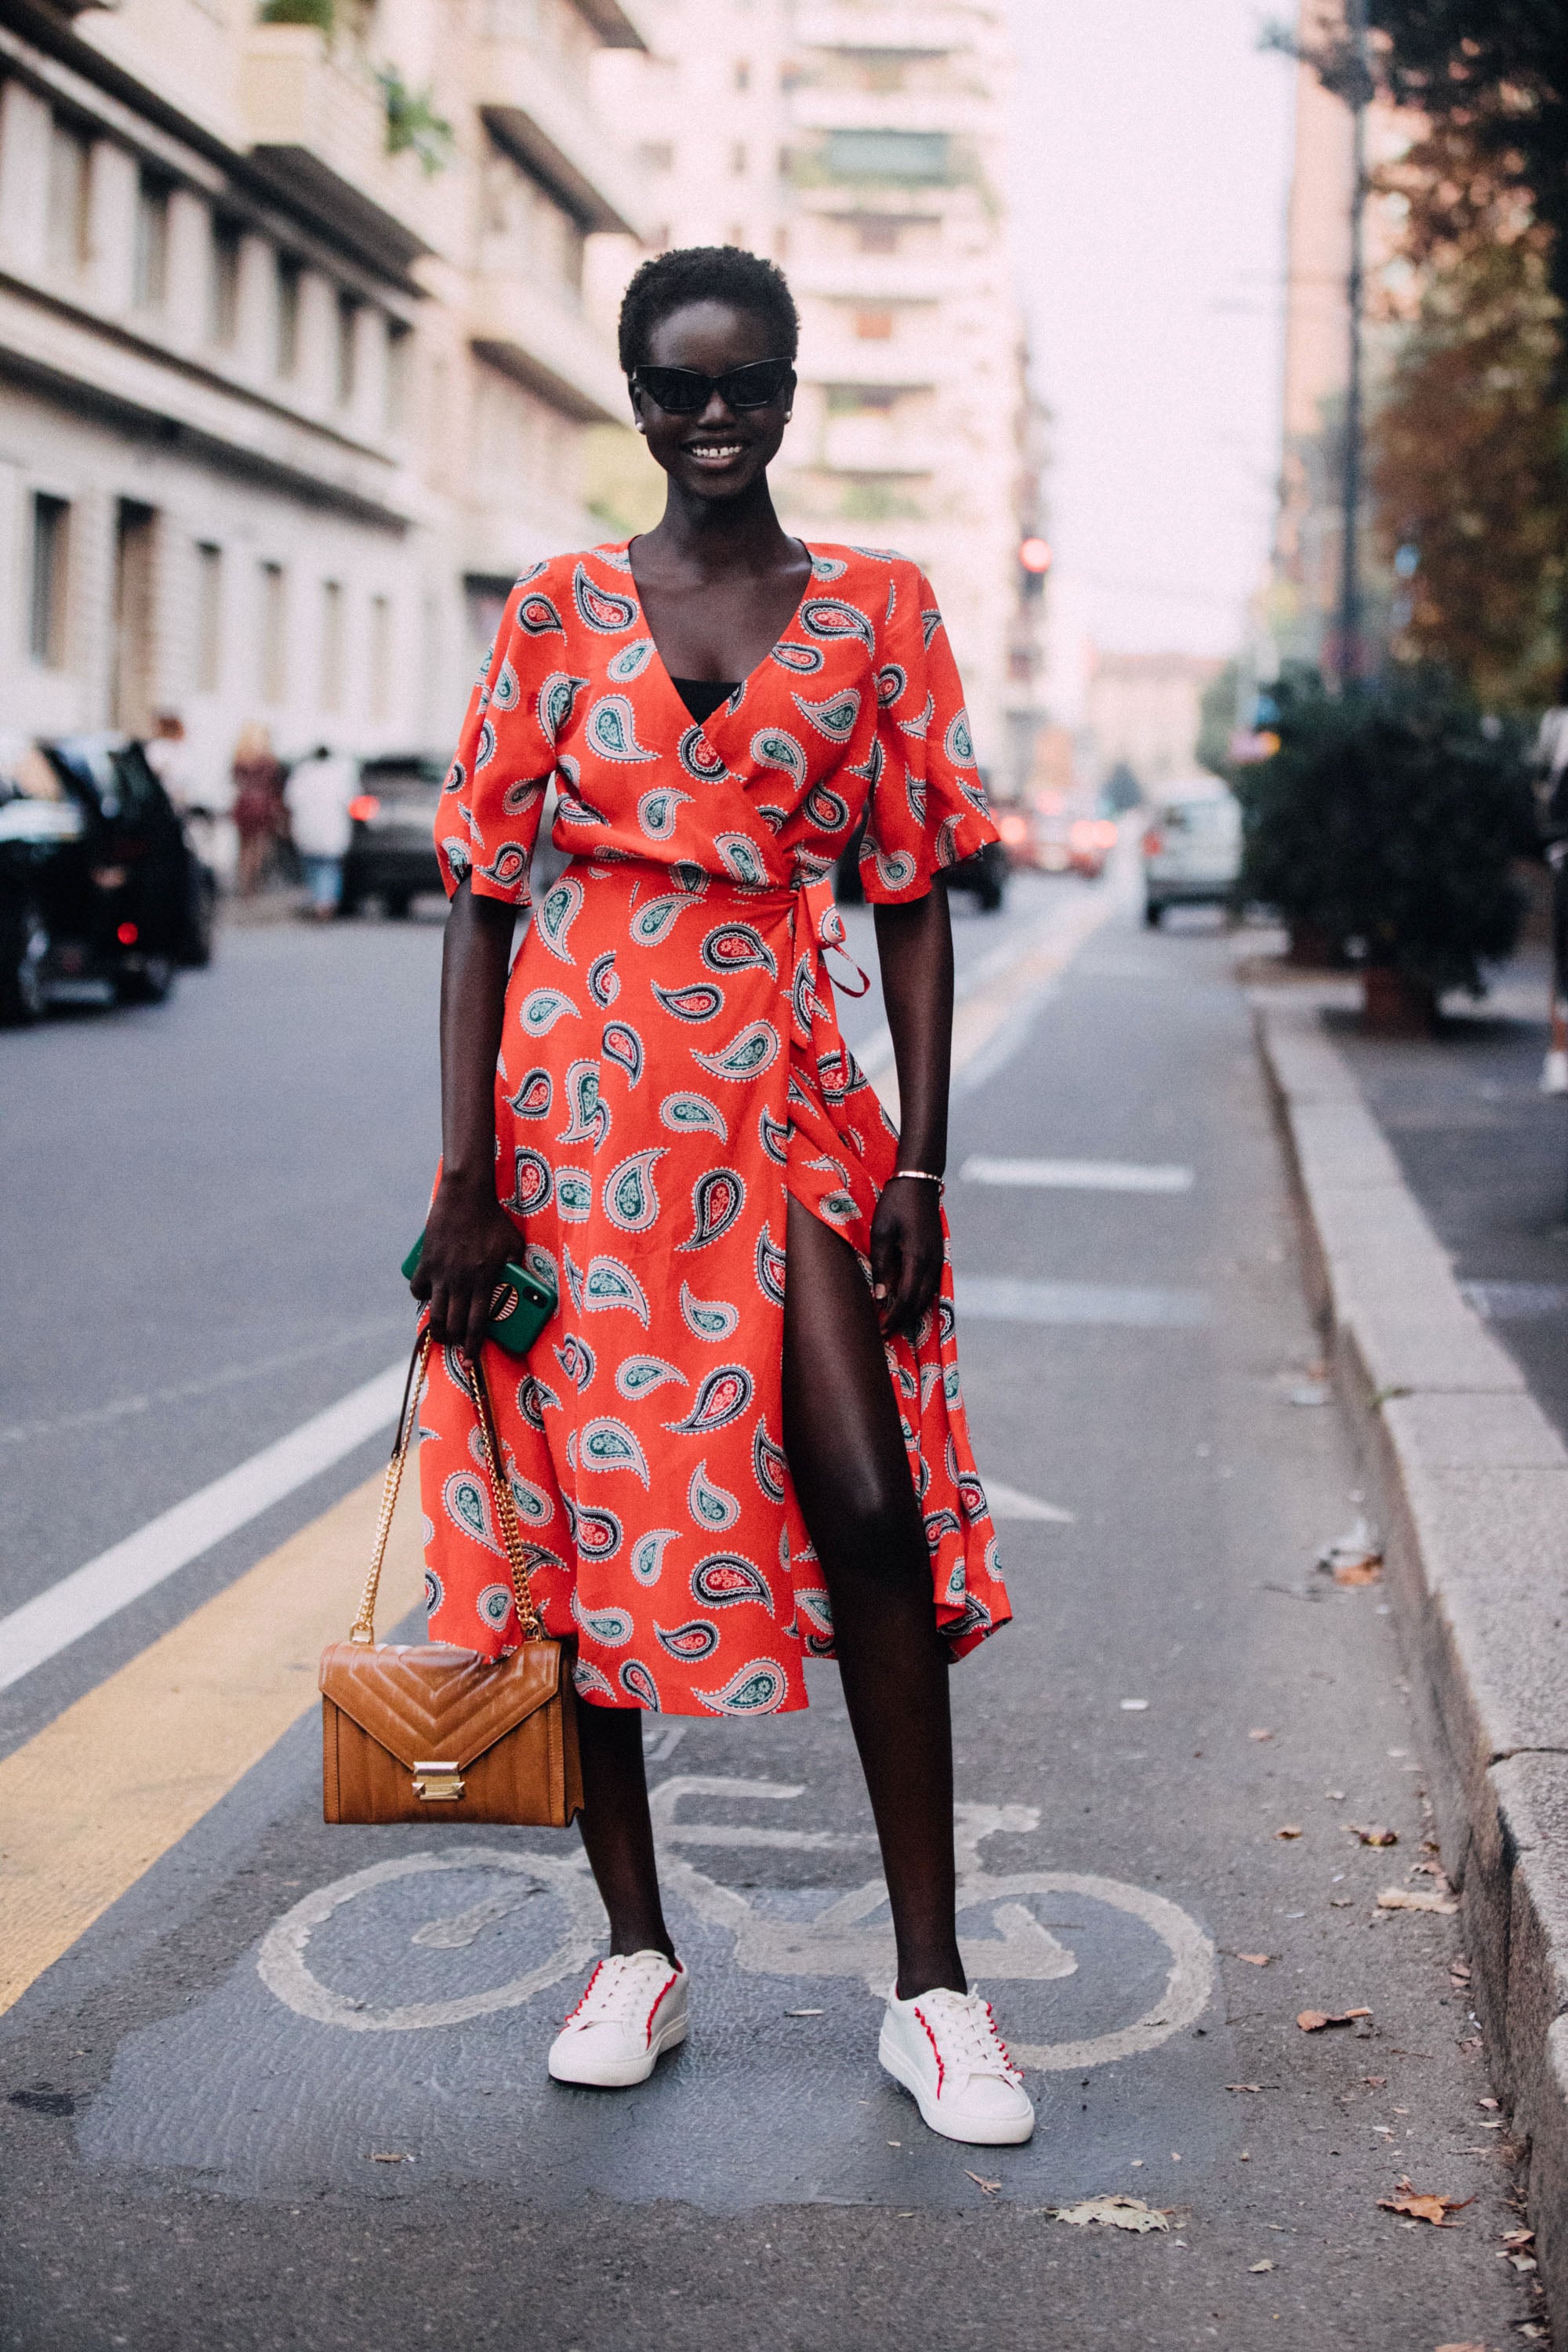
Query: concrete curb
column 1473, row 1481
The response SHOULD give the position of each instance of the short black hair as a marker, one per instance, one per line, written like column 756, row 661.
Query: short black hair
column 706, row 273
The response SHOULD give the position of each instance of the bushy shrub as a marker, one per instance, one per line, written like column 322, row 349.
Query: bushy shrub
column 1388, row 821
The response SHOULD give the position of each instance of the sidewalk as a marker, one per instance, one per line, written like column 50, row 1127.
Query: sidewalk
column 1431, row 1180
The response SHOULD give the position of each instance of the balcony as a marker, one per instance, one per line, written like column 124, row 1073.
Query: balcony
column 817, row 106
column 911, row 32
column 536, row 111
column 532, row 334
column 318, row 133
column 877, row 445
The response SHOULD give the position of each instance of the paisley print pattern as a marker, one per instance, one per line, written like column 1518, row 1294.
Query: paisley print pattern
column 650, row 1152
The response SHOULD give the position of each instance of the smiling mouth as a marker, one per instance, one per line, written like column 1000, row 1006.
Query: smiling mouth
column 711, row 450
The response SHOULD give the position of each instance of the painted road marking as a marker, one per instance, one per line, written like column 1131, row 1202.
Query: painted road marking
column 847, row 1937
column 55, row 1618
column 1079, row 1175
column 1008, row 1503
column 994, row 1299
column 996, row 1007
column 107, row 1788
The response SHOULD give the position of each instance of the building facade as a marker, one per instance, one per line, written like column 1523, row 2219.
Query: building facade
column 862, row 144
column 1143, row 712
column 295, row 363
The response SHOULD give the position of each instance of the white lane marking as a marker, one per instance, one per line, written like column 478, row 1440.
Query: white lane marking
column 990, row 1298
column 61, row 1614
column 1080, row 1175
column 1010, row 1503
column 847, row 1938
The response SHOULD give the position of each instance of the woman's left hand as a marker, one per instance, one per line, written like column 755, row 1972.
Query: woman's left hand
column 906, row 1253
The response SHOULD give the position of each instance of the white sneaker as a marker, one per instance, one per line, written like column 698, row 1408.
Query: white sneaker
column 944, row 2047
column 633, row 2008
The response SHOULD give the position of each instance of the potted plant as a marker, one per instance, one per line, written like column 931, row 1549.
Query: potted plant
column 1387, row 822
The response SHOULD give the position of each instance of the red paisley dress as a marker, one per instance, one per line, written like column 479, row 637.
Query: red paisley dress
column 671, row 1068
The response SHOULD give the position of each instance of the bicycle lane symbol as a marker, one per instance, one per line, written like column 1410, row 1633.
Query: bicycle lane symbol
column 844, row 1939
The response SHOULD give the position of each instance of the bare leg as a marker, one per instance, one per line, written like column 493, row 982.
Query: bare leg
column 617, row 1831
column 847, row 1457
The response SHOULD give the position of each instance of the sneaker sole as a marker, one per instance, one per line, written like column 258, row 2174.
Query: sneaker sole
column 998, row 2134
column 630, row 2071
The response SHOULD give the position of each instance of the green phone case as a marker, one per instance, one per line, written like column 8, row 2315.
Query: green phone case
column 522, row 1306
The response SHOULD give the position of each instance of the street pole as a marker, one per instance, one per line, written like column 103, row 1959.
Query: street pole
column 1357, row 94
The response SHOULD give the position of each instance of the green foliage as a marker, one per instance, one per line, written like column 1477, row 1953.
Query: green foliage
column 323, row 14
column 1217, row 722
column 413, row 125
column 1389, row 821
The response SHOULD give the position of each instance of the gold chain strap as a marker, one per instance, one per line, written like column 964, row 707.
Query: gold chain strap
column 364, row 1629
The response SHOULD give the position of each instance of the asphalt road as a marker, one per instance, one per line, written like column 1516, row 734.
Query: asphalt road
column 289, row 2089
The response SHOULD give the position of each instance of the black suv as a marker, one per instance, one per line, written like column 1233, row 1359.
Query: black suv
column 98, row 878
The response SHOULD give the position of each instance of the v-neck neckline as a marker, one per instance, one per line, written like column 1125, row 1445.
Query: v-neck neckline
column 737, row 694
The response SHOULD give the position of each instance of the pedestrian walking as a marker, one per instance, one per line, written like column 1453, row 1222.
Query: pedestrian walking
column 720, row 1472
column 317, row 797
column 259, row 817
column 169, row 759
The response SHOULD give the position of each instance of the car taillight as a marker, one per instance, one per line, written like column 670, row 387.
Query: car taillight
column 1153, row 842
column 363, row 807
column 1012, row 828
column 127, row 934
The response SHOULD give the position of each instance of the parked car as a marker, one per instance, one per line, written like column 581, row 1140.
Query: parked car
column 391, row 854
column 99, row 880
column 1192, row 847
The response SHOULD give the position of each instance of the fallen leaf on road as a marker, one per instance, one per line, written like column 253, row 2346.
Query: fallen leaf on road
column 388, row 2155
column 1260, row 1735
column 990, row 2187
column 1116, row 2212
column 1289, row 1830
column 1358, row 1571
column 1513, row 2237
column 1462, row 2347
column 1312, row 2020
column 1244, row 2086
column 1416, row 1898
column 1256, row 1960
column 1372, row 1833
column 1260, row 2266
column 1522, row 2262
column 1435, row 2210
column 1460, row 1969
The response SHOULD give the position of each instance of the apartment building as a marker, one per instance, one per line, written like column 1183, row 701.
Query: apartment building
column 295, row 365
column 862, row 143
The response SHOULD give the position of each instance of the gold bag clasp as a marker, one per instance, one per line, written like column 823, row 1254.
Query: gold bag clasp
column 438, row 1784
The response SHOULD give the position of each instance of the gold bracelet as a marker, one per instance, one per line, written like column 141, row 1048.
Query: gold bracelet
column 921, row 1176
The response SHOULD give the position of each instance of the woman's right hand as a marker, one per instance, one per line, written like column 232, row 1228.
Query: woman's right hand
column 468, row 1238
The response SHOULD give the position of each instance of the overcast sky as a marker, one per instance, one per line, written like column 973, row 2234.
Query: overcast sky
column 1152, row 162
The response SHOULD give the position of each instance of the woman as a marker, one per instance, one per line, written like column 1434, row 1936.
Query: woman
column 258, row 812
column 717, row 1484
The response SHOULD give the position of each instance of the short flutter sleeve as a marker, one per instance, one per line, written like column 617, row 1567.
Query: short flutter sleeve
column 927, row 808
column 487, row 816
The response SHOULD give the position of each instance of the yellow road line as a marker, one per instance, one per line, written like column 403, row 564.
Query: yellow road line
column 111, row 1784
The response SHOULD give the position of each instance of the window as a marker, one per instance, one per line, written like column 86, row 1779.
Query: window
column 47, row 616
column 286, row 318
column 879, row 236
column 910, row 155
column 738, row 159
column 380, row 655
column 149, row 266
column 69, row 155
column 656, row 154
column 399, row 365
column 209, row 616
column 874, row 326
column 223, row 286
column 742, row 73
column 737, row 235
column 347, row 353
column 274, row 646
column 332, row 644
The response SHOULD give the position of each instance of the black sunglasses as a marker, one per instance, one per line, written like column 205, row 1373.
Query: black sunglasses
column 684, row 392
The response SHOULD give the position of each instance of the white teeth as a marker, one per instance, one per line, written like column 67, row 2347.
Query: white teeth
column 714, row 449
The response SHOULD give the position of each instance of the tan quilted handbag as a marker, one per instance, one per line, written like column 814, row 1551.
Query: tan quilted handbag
column 423, row 1732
